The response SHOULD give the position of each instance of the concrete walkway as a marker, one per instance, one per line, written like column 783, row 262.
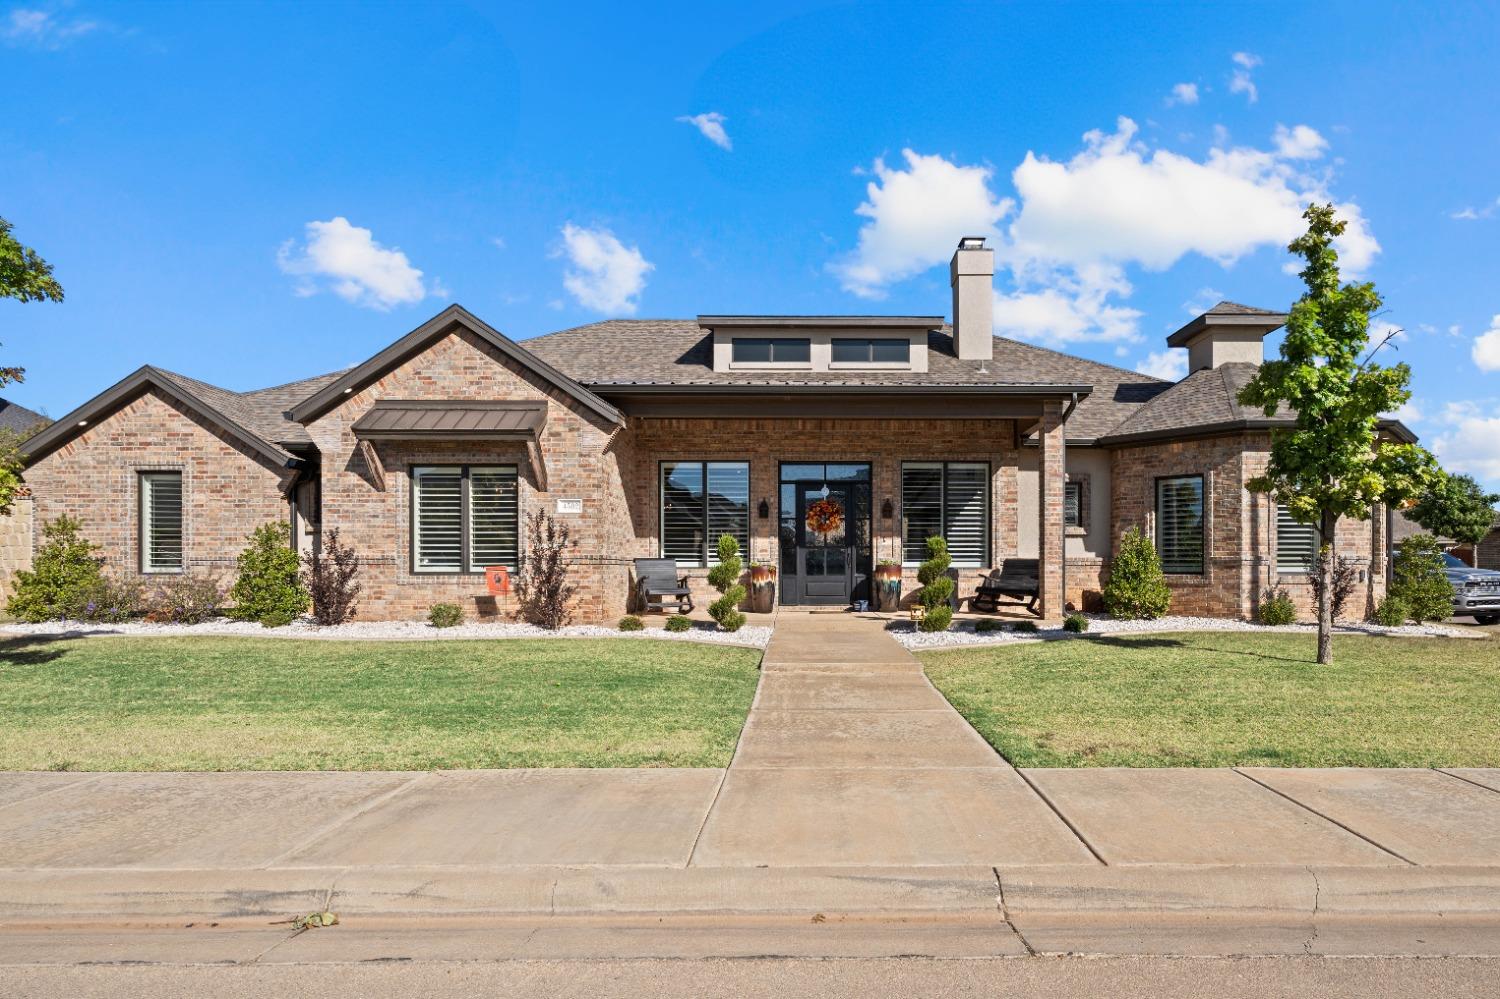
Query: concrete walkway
column 858, row 802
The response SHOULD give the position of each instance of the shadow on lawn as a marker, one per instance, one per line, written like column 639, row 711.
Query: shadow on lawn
column 32, row 650
column 1160, row 642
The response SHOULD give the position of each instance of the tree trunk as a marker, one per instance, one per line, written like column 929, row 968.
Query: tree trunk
column 1325, row 592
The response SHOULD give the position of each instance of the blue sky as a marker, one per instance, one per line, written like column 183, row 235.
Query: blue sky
column 253, row 194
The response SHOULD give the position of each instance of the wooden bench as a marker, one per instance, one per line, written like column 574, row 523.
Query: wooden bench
column 1016, row 579
column 658, row 584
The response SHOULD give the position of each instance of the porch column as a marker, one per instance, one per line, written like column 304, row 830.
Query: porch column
column 1050, row 480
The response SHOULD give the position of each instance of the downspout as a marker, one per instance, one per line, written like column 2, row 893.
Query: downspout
column 1063, row 439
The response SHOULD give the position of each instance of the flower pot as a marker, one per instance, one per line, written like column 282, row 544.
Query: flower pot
column 762, row 589
column 888, row 588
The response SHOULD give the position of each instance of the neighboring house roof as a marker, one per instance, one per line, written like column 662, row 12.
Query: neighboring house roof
column 620, row 354
column 419, row 339
column 19, row 418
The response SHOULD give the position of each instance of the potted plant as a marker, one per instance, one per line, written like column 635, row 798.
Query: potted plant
column 762, row 588
column 888, row 585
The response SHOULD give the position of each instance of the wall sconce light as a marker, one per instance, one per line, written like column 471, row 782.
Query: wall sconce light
column 764, row 510
column 887, row 511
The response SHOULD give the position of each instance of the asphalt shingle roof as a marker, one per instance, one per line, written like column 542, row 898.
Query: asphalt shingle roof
column 261, row 411
column 19, row 418
column 1205, row 398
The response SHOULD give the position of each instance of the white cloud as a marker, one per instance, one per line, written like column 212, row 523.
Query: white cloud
column 1240, row 81
column 1203, row 300
column 1183, row 93
column 1470, row 213
column 1408, row 412
column 1299, row 143
column 1076, row 225
column 917, row 215
column 1486, row 350
column 354, row 266
column 606, row 275
column 1471, row 442
column 41, row 29
column 1380, row 329
column 1169, row 364
column 711, row 124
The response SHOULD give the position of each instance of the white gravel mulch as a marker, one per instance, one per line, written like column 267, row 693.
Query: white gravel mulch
column 963, row 633
column 753, row 636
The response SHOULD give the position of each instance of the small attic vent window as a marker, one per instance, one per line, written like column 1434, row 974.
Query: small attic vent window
column 772, row 350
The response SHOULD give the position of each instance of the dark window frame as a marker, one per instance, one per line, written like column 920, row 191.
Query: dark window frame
column 465, row 525
column 771, row 342
column 710, row 550
column 1202, row 521
column 143, row 534
column 1078, row 518
column 988, row 555
column 869, row 345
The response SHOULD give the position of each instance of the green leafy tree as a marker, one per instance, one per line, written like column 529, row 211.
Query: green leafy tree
column 268, row 589
column 725, row 578
column 64, row 571
column 937, row 587
column 1137, row 587
column 25, row 276
column 1333, row 464
column 1418, row 581
column 1457, row 507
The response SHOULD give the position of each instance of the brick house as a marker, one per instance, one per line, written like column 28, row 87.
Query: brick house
column 653, row 437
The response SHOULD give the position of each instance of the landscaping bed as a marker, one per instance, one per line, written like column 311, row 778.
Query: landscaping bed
column 1210, row 699
column 226, row 703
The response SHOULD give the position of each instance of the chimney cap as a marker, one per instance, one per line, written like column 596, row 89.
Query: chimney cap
column 971, row 242
column 1228, row 314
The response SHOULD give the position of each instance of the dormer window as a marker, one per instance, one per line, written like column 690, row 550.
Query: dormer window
column 864, row 350
column 772, row 350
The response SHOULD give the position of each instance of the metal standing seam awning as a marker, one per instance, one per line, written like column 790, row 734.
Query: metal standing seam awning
column 449, row 420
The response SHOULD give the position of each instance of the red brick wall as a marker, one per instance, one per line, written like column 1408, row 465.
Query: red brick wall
column 227, row 490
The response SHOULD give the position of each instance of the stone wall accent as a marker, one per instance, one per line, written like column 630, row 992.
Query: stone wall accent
column 16, row 543
column 228, row 490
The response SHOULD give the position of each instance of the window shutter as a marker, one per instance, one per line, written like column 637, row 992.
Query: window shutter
column 161, row 522
column 728, row 506
column 1296, row 543
column 1179, row 524
column 921, row 508
column 438, row 519
column 683, row 512
column 966, row 513
column 494, row 518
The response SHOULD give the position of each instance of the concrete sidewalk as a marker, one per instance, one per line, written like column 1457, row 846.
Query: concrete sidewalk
column 861, row 815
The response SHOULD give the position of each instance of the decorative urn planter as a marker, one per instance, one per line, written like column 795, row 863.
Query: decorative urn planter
column 762, row 589
column 887, row 588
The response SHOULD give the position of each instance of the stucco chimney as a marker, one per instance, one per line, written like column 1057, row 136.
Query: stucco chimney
column 1228, row 333
column 973, row 275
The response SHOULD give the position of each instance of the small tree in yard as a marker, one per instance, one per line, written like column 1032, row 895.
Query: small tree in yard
column 1457, row 507
column 64, row 570
column 725, row 578
column 937, row 587
column 1345, row 576
column 267, row 589
column 26, row 277
column 329, row 579
column 1418, row 580
column 1333, row 463
column 543, row 593
column 1137, row 587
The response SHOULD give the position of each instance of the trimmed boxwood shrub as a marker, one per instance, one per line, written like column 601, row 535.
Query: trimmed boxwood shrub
column 445, row 615
column 1392, row 612
column 725, row 578
column 937, row 588
column 1076, row 623
column 1137, row 588
column 631, row 623
column 1025, row 627
column 1418, row 579
column 679, row 622
column 1276, row 607
column 987, row 624
column 268, row 588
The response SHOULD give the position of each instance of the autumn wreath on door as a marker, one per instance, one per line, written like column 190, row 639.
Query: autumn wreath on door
column 825, row 516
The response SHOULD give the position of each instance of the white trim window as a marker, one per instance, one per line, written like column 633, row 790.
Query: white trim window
column 950, row 499
column 464, row 518
column 1296, row 543
column 161, row 522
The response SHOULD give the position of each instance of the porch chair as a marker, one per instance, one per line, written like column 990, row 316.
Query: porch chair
column 1017, row 579
column 657, row 584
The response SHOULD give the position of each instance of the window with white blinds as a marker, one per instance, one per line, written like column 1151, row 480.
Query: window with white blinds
column 950, row 499
column 161, row 521
column 1179, row 524
column 1072, row 504
column 464, row 518
column 1296, row 544
column 700, row 501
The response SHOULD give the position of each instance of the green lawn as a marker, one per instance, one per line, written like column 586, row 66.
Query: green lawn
column 1231, row 698
column 277, row 704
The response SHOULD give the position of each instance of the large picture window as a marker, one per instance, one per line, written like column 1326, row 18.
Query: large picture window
column 1296, row 543
column 951, row 499
column 161, row 522
column 701, row 500
column 464, row 517
column 1179, row 524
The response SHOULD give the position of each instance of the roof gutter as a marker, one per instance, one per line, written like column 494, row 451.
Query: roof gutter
column 1076, row 392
